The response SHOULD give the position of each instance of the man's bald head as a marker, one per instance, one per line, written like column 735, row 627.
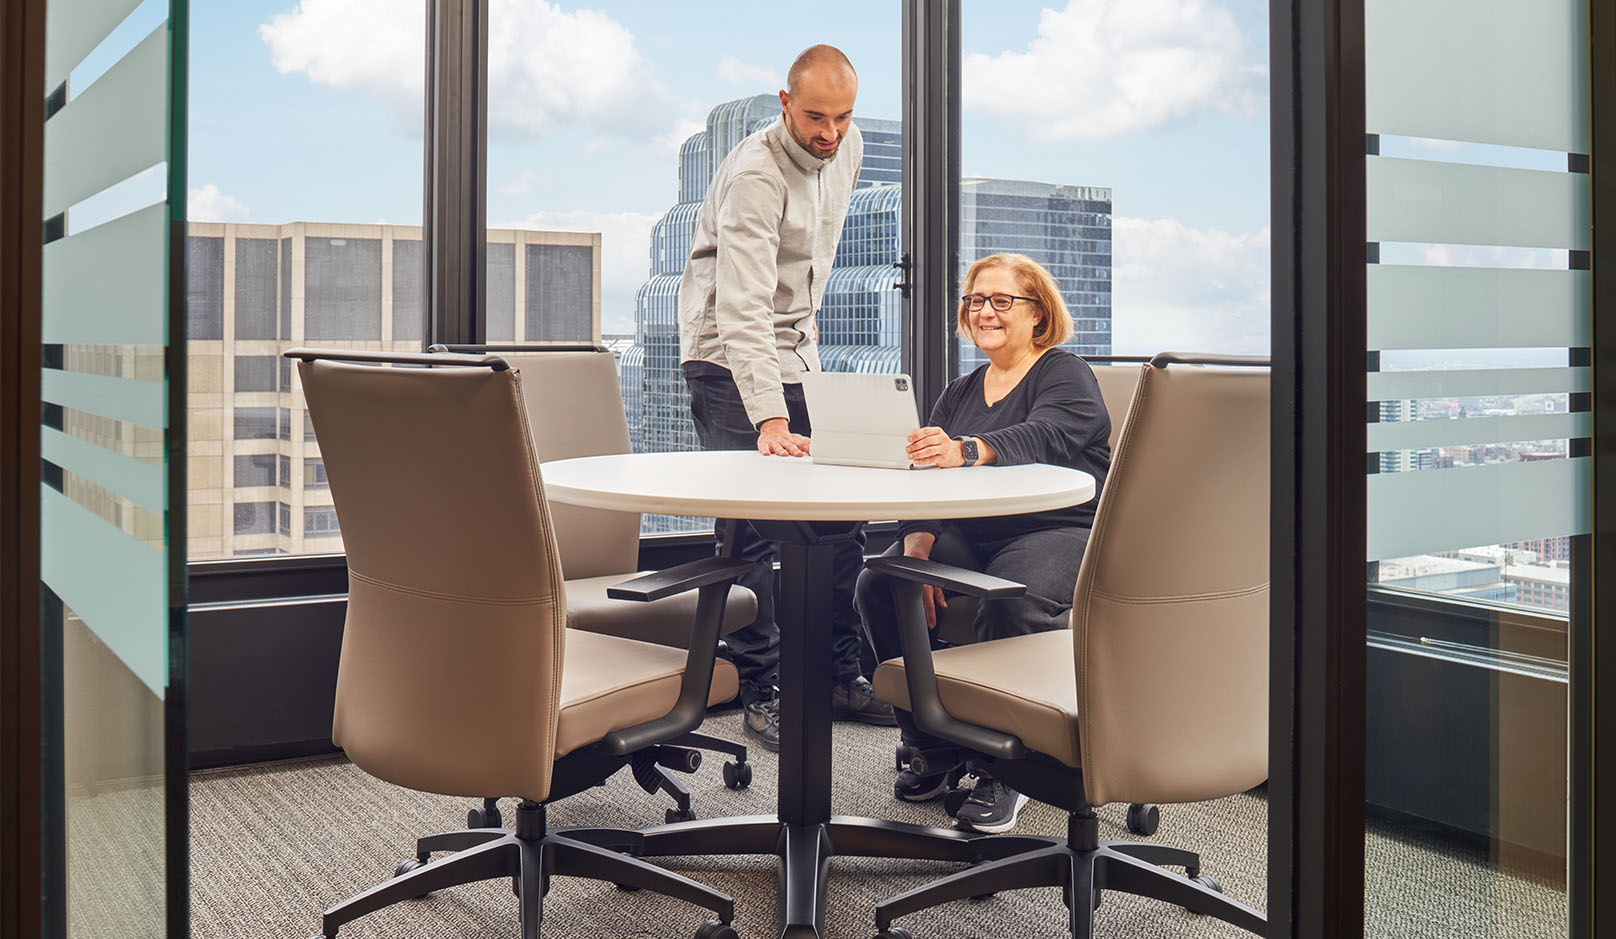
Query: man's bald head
column 826, row 64
column 817, row 104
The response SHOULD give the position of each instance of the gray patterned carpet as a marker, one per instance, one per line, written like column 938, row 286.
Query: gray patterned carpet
column 273, row 846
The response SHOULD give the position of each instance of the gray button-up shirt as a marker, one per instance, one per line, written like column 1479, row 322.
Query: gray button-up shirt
column 759, row 258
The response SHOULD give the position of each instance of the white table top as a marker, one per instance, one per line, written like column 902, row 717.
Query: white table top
column 742, row 484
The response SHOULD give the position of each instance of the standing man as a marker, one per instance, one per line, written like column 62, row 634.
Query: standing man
column 759, row 259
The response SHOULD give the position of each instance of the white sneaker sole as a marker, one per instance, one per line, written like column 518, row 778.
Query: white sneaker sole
column 997, row 828
column 930, row 794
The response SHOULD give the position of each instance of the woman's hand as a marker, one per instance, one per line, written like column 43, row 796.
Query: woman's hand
column 931, row 446
column 918, row 545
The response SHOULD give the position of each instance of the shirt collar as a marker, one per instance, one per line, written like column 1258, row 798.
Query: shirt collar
column 805, row 161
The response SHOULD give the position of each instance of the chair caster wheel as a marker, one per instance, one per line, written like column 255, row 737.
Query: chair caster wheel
column 894, row 932
column 737, row 775
column 953, row 799
column 1207, row 881
column 1143, row 818
column 713, row 929
column 405, row 867
column 477, row 818
column 680, row 815
column 901, row 756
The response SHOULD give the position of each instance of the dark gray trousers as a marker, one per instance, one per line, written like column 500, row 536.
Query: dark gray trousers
column 722, row 424
column 1046, row 561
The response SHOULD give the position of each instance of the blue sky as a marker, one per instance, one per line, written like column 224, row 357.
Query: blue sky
column 311, row 112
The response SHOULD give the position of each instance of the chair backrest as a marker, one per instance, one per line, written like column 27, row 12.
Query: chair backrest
column 575, row 408
column 451, row 656
column 956, row 622
column 1170, row 616
column 1117, row 381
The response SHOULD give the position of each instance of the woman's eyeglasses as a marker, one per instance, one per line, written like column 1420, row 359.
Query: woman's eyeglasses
column 1002, row 302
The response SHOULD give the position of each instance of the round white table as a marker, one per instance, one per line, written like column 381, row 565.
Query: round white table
column 739, row 484
column 808, row 508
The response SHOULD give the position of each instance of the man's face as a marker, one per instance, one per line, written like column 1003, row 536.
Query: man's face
column 818, row 114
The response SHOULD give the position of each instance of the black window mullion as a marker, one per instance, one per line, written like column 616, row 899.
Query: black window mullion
column 455, row 170
column 931, row 171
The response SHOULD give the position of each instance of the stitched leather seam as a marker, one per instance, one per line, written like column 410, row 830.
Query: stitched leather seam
column 1183, row 597
column 454, row 597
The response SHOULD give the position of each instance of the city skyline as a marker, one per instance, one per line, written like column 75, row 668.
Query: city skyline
column 283, row 109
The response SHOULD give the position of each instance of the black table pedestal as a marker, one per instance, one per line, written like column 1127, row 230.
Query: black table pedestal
column 804, row 835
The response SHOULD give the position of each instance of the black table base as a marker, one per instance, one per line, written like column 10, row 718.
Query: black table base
column 804, row 835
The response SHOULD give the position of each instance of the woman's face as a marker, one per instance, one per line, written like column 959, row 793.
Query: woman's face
column 1007, row 334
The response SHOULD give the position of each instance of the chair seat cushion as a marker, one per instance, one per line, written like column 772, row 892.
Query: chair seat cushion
column 1023, row 685
column 609, row 683
column 666, row 622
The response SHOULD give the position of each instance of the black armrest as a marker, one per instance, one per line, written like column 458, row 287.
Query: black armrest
column 674, row 580
column 908, row 575
column 937, row 574
column 712, row 576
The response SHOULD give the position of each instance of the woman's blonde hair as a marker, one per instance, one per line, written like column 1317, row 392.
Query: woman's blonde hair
column 1032, row 281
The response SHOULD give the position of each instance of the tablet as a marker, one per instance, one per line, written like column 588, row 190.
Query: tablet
column 860, row 419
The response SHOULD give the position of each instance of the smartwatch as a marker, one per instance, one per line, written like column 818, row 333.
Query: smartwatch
column 968, row 450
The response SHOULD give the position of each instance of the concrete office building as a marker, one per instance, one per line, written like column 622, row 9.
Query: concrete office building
column 257, row 484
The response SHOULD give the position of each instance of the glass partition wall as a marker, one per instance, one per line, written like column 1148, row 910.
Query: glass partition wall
column 1480, row 481
column 112, row 505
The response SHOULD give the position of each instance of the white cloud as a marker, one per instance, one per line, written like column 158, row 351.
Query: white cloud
column 1186, row 290
column 675, row 138
column 1101, row 68
column 625, row 246
column 1479, row 256
column 547, row 69
column 735, row 72
column 208, row 204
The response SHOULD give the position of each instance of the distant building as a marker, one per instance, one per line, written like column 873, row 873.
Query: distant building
column 257, row 484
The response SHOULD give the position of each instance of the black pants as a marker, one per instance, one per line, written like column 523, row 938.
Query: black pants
column 1046, row 561
column 722, row 424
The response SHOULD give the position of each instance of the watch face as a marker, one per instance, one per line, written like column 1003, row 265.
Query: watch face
column 968, row 451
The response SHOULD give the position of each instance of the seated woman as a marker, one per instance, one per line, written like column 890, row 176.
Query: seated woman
column 1031, row 403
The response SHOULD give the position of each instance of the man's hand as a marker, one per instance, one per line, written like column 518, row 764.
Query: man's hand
column 918, row 545
column 931, row 446
column 776, row 439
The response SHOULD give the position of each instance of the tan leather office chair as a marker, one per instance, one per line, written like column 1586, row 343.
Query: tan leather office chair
column 1117, row 375
column 457, row 673
column 1159, row 691
column 575, row 409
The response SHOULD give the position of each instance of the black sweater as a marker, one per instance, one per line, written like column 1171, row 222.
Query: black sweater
column 1054, row 415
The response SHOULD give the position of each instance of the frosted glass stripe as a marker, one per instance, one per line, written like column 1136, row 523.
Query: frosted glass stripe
column 123, row 399
column 1466, row 506
column 73, row 30
column 1459, row 383
column 113, row 582
column 105, row 286
column 1418, row 435
column 1420, row 307
column 1462, row 204
column 135, row 480
column 1488, row 71
column 115, row 129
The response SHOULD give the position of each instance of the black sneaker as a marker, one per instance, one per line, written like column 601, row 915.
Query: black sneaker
column 913, row 787
column 760, row 715
column 992, row 807
column 855, row 700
